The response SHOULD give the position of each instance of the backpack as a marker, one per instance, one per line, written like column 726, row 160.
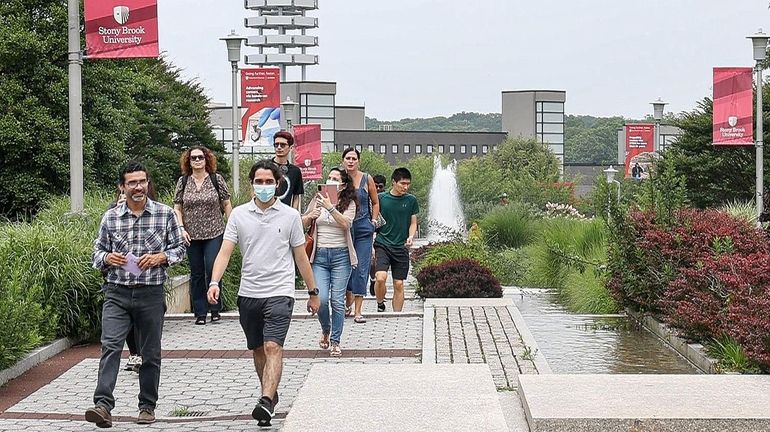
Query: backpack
column 214, row 181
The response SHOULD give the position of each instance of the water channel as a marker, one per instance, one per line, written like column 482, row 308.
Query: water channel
column 585, row 344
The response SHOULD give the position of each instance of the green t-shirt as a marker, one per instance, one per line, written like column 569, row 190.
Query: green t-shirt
column 397, row 211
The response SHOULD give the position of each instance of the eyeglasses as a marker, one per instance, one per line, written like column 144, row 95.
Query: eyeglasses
column 133, row 184
column 280, row 145
column 197, row 158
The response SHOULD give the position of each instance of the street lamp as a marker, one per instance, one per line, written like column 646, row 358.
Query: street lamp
column 610, row 174
column 657, row 114
column 759, row 41
column 288, row 106
column 234, row 42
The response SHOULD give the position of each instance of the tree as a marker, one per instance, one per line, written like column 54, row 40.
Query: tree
column 131, row 109
column 591, row 140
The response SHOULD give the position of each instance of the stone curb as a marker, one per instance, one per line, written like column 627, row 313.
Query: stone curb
column 34, row 358
column 429, row 334
column 538, row 358
column 692, row 352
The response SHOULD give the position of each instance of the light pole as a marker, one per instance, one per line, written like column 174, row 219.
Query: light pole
column 288, row 106
column 75, row 64
column 759, row 41
column 610, row 174
column 657, row 114
column 234, row 42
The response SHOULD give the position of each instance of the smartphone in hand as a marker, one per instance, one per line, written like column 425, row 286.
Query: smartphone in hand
column 329, row 190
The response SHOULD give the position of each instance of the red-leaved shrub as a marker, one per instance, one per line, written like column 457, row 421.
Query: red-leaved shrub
column 458, row 278
column 706, row 275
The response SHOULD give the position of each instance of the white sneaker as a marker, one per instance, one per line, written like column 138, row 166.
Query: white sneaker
column 134, row 363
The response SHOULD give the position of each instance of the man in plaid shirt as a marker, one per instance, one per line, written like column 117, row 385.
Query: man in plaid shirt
column 137, row 241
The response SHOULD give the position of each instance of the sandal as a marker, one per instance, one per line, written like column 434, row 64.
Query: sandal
column 324, row 342
column 359, row 319
column 201, row 320
column 215, row 316
column 349, row 310
column 335, row 351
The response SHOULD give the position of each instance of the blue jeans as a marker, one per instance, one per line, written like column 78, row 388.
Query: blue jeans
column 201, row 254
column 363, row 239
column 331, row 271
column 125, row 307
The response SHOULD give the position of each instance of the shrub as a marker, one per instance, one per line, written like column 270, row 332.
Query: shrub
column 730, row 354
column 705, row 274
column 509, row 266
column 458, row 278
column 511, row 226
column 25, row 323
column 447, row 251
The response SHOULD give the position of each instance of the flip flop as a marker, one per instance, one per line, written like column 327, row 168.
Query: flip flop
column 359, row 319
column 349, row 310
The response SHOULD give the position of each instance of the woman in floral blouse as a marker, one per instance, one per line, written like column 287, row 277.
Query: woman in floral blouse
column 200, row 200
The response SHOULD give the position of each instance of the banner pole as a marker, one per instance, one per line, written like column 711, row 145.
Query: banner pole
column 236, row 133
column 75, row 62
column 760, row 145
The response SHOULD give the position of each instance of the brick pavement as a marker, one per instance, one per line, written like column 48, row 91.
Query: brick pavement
column 481, row 334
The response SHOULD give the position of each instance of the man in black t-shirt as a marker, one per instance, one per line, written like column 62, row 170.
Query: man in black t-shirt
column 290, row 189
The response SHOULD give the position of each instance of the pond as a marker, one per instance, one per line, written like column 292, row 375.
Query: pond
column 594, row 344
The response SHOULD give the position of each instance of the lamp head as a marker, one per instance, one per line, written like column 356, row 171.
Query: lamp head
column 233, row 41
column 657, row 109
column 759, row 41
column 610, row 173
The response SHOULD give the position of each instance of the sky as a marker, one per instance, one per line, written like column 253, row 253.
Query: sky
column 425, row 58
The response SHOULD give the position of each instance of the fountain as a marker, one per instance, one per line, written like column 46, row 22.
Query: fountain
column 446, row 220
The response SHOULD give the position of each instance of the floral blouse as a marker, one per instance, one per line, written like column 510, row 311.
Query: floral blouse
column 202, row 208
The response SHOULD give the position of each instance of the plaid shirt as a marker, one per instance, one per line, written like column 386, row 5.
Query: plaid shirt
column 155, row 230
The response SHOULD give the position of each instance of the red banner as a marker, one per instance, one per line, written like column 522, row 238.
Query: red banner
column 307, row 150
column 733, row 111
column 640, row 139
column 261, row 97
column 121, row 28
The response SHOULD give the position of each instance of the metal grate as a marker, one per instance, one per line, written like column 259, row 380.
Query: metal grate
column 188, row 413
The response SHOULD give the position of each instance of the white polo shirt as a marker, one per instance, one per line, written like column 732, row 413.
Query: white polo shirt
column 266, row 239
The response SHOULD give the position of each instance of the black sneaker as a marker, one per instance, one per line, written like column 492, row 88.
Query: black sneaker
column 381, row 307
column 263, row 412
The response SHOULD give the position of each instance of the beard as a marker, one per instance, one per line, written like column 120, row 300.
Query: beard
column 138, row 197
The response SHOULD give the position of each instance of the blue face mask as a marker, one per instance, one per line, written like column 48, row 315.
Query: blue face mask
column 264, row 193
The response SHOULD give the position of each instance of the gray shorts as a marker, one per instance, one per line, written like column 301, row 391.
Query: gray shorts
column 265, row 319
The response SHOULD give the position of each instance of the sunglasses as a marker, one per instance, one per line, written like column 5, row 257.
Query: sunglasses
column 281, row 145
column 197, row 158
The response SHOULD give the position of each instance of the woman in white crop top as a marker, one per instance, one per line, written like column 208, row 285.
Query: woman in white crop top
column 333, row 256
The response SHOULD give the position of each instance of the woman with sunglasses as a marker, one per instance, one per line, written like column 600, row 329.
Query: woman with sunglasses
column 333, row 255
column 363, row 228
column 200, row 200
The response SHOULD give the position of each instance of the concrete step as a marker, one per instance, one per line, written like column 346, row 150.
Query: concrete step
column 397, row 398
column 660, row 403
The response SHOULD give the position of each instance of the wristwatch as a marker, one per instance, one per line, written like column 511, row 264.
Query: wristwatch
column 312, row 292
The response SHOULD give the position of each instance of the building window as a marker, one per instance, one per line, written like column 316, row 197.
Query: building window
column 406, row 148
column 370, row 147
column 484, row 149
column 452, row 149
column 441, row 148
column 383, row 148
column 418, row 148
column 429, row 149
column 463, row 149
column 474, row 149
column 394, row 149
column 359, row 147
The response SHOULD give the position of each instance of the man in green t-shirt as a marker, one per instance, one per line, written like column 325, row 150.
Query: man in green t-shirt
column 391, row 246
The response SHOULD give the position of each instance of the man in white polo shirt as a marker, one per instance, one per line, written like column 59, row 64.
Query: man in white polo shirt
column 271, row 239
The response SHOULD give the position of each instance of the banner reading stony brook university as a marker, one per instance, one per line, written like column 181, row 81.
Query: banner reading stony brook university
column 261, row 97
column 307, row 150
column 639, row 140
column 121, row 28
column 733, row 111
